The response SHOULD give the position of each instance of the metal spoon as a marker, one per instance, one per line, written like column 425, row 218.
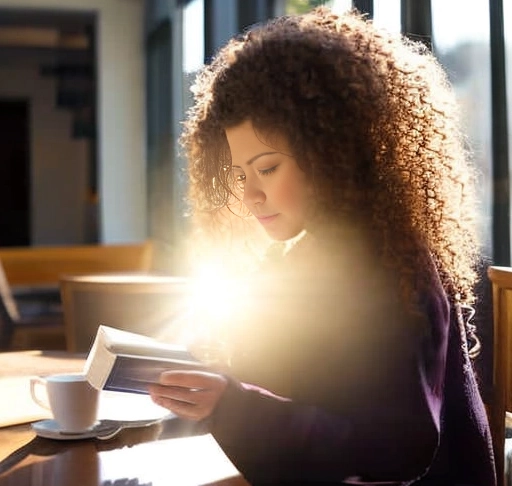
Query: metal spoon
column 107, row 428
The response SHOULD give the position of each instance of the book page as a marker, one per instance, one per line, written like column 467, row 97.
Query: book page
column 123, row 342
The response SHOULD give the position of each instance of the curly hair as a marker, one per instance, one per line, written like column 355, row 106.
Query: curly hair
column 370, row 118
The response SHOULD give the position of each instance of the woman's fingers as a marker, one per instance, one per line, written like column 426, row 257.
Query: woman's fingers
column 189, row 394
column 195, row 405
column 189, row 378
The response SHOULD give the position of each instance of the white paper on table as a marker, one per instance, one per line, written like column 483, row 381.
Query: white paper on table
column 128, row 406
column 17, row 406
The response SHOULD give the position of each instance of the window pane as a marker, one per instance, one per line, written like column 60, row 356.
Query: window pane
column 303, row 6
column 461, row 42
column 192, row 59
column 340, row 6
column 193, row 36
column 507, row 19
column 386, row 14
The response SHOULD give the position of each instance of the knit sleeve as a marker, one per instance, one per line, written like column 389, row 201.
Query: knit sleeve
column 369, row 412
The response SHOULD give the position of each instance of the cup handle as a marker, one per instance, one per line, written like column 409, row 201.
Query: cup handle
column 36, row 382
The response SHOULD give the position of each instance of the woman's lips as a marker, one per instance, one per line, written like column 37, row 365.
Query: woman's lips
column 266, row 219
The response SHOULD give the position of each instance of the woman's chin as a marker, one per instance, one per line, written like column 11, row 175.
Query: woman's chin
column 283, row 235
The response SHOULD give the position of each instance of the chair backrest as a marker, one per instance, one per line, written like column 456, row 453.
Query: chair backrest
column 500, row 400
column 143, row 303
column 46, row 264
column 8, row 311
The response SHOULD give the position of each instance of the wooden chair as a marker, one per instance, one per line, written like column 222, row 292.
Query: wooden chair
column 139, row 302
column 41, row 265
column 41, row 328
column 500, row 401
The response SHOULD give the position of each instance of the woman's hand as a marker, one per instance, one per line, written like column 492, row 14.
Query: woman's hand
column 189, row 394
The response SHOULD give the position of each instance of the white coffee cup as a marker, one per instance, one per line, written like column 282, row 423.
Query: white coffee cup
column 71, row 399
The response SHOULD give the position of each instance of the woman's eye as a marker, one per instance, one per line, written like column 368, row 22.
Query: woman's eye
column 239, row 180
column 267, row 171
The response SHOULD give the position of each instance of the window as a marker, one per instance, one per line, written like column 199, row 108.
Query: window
column 193, row 36
column 463, row 47
column 303, row 6
column 386, row 14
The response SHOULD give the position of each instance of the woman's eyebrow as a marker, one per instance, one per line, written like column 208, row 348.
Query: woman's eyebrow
column 252, row 159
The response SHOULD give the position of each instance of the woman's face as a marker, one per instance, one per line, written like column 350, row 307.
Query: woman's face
column 274, row 188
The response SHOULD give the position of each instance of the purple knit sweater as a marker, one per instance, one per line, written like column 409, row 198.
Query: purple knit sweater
column 374, row 395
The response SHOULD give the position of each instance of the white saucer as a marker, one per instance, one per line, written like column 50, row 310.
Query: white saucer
column 50, row 430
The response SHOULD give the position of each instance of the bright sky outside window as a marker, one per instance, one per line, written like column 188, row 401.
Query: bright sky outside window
column 193, row 36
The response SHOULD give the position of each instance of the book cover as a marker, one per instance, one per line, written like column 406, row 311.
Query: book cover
column 127, row 362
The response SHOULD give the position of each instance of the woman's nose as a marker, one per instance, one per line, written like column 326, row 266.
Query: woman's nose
column 253, row 193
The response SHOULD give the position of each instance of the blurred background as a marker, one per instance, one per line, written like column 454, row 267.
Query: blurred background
column 93, row 92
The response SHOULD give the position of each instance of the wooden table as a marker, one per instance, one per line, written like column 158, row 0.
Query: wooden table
column 172, row 451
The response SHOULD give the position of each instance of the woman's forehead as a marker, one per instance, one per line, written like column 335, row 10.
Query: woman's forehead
column 245, row 138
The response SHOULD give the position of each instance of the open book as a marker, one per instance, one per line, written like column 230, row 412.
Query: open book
column 128, row 362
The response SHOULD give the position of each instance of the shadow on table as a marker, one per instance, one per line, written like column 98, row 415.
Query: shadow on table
column 41, row 447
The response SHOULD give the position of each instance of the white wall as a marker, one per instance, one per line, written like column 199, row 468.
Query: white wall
column 58, row 162
column 121, row 118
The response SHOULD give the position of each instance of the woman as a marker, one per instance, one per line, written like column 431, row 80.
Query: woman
column 350, row 361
